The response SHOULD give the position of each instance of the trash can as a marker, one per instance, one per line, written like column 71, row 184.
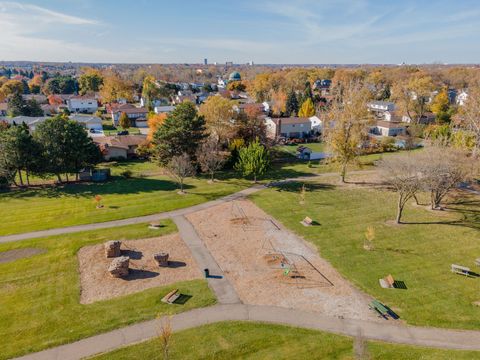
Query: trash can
column 207, row 273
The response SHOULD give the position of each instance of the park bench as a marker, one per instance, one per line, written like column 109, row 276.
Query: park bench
column 462, row 270
column 477, row 262
column 171, row 297
column 307, row 221
column 387, row 282
column 379, row 307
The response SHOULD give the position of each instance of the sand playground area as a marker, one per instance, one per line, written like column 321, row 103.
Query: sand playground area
column 97, row 284
column 269, row 265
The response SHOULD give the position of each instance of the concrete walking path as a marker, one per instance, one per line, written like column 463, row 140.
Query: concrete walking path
column 130, row 221
column 381, row 331
column 163, row 215
column 223, row 289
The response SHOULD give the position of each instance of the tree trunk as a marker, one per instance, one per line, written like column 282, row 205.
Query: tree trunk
column 20, row 177
column 27, row 175
column 59, row 178
column 181, row 185
column 212, row 176
column 416, row 199
column 399, row 210
column 343, row 172
column 66, row 176
column 255, row 178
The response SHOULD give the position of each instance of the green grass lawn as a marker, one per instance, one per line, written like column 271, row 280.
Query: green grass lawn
column 73, row 204
column 39, row 296
column 419, row 253
column 241, row 340
column 292, row 149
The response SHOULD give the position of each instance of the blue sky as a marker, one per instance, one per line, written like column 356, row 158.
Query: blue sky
column 271, row 31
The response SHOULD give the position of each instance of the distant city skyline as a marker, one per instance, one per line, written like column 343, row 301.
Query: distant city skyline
column 265, row 32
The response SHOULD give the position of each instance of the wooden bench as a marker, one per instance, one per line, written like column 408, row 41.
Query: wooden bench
column 307, row 221
column 387, row 282
column 379, row 307
column 462, row 270
column 171, row 297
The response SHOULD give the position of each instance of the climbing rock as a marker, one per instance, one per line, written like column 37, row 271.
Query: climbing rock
column 112, row 249
column 119, row 266
column 161, row 259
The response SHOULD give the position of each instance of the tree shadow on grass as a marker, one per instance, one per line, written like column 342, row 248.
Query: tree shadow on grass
column 117, row 185
column 296, row 186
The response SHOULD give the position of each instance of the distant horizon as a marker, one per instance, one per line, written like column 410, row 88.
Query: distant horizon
column 266, row 32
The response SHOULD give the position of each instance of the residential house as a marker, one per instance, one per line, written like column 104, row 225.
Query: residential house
column 292, row 127
column 119, row 147
column 388, row 128
column 30, row 121
column 82, row 104
column 426, row 119
column 155, row 103
column 93, row 124
column 240, row 108
column 316, row 124
column 322, row 86
column 164, row 109
column 462, row 97
column 39, row 98
column 137, row 115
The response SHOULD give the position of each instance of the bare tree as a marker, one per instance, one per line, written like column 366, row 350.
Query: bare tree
column 469, row 117
column 401, row 172
column 348, row 120
column 165, row 333
column 179, row 168
column 442, row 170
column 210, row 158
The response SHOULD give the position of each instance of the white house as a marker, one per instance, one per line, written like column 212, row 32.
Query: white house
column 462, row 98
column 82, row 104
column 316, row 124
column 163, row 109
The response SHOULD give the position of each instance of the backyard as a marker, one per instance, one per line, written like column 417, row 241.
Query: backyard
column 418, row 253
column 40, row 294
column 240, row 340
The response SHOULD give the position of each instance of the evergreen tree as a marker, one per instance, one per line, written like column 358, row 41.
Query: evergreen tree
column 291, row 105
column 307, row 94
column 20, row 152
column 181, row 132
column 16, row 105
column 253, row 160
column 66, row 146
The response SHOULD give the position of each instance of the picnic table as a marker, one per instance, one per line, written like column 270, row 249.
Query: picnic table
column 462, row 270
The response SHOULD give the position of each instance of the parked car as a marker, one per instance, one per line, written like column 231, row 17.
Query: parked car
column 124, row 132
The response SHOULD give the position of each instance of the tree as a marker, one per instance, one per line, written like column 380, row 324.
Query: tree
column 60, row 85
column 150, row 91
column 66, row 146
column 469, row 117
column 10, row 88
column 180, row 167
column 218, row 113
column 442, row 169
column 253, row 160
column 16, row 105
column 181, row 132
column 401, row 172
column 307, row 109
column 250, row 125
column 90, row 81
column 114, row 88
column 124, row 121
column 411, row 96
column 440, row 106
column 35, row 84
column 20, row 152
column 347, row 123
column 210, row 158
column 279, row 99
column 154, row 122
column 291, row 105
column 236, row 86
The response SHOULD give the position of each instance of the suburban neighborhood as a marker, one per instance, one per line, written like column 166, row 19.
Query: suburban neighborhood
column 305, row 195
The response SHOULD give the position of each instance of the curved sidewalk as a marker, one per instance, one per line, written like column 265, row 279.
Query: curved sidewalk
column 381, row 331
